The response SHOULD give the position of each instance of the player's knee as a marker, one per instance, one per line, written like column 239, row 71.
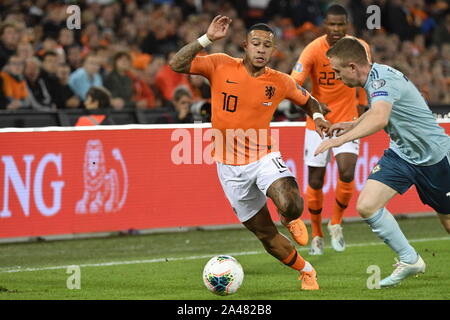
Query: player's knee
column 315, row 183
column 291, row 208
column 346, row 176
column 365, row 208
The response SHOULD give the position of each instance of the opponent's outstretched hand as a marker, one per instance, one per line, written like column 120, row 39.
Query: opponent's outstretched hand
column 340, row 128
column 328, row 144
column 218, row 27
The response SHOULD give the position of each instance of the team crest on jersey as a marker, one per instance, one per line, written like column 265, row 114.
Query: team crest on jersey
column 270, row 91
column 377, row 84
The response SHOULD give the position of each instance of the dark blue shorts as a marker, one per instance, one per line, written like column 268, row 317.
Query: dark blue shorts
column 432, row 182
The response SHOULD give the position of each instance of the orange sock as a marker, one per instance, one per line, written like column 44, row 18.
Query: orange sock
column 316, row 225
column 344, row 192
column 294, row 261
column 314, row 198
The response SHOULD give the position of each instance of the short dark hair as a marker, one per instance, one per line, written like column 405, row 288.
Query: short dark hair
column 100, row 94
column 120, row 55
column 49, row 53
column 349, row 49
column 260, row 26
column 336, row 10
column 6, row 25
column 180, row 92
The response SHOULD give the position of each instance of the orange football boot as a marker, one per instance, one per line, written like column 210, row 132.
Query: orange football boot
column 298, row 230
column 309, row 280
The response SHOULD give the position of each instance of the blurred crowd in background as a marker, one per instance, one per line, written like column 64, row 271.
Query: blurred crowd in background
column 124, row 47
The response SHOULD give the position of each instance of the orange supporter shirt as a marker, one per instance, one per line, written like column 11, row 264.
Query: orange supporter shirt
column 242, row 106
column 13, row 88
column 168, row 80
column 340, row 99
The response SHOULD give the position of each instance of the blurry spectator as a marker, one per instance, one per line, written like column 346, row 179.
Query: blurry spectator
column 143, row 96
column 119, row 83
column 97, row 108
column 398, row 20
column 39, row 97
column 82, row 79
column 182, row 102
column 14, row 88
column 25, row 50
column 139, row 59
column 299, row 11
column 188, row 7
column 92, row 39
column 9, row 39
column 168, row 80
column 55, row 20
column 442, row 33
column 162, row 37
column 66, row 98
column 103, row 54
column 74, row 58
column 66, row 38
column 149, row 77
column 420, row 17
column 199, row 87
column 107, row 19
column 49, row 44
column 48, row 74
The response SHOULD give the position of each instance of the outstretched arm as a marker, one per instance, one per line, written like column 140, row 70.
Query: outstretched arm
column 372, row 121
column 181, row 61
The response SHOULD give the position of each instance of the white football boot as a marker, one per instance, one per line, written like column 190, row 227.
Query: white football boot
column 402, row 271
column 316, row 246
column 337, row 238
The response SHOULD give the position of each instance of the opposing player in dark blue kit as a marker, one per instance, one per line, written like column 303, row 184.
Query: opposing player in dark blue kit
column 419, row 151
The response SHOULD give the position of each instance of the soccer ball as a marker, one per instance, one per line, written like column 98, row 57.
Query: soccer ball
column 223, row 275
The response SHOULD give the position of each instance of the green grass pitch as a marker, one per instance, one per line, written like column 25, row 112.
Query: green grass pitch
column 169, row 266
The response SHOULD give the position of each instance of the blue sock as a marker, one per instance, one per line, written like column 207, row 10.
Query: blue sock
column 384, row 225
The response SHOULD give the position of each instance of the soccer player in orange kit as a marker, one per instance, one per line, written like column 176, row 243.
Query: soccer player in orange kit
column 344, row 104
column 244, row 96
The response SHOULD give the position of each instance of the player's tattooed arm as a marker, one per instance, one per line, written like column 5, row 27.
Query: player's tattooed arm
column 181, row 61
column 217, row 30
column 313, row 106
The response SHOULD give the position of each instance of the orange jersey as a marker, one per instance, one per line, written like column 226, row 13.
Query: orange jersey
column 240, row 101
column 340, row 99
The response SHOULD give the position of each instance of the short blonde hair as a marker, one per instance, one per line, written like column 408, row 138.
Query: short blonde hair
column 349, row 49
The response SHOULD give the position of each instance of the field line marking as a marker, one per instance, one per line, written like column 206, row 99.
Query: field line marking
column 242, row 253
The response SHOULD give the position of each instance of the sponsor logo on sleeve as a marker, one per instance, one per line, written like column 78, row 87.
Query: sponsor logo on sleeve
column 379, row 93
column 298, row 67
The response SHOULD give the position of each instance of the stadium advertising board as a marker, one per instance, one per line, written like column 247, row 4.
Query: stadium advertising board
column 68, row 181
